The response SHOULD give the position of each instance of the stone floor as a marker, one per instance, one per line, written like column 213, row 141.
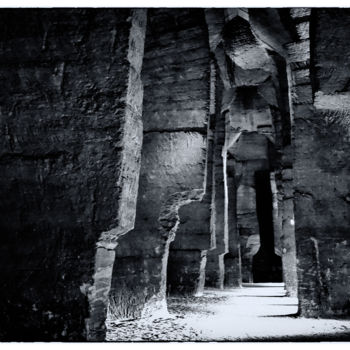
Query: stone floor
column 256, row 312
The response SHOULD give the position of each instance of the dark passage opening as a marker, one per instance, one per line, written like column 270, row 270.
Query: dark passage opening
column 267, row 266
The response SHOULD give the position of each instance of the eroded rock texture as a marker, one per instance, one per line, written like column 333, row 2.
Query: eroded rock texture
column 215, row 268
column 321, row 166
column 187, row 262
column 176, row 106
column 243, row 175
column 232, row 259
column 254, row 100
column 71, row 127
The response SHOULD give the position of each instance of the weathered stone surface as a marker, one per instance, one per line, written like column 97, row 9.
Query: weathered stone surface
column 302, row 94
column 194, row 235
column 173, row 159
column 286, row 212
column 215, row 270
column 220, row 199
column 128, row 181
column 303, row 30
column 215, row 264
column 194, row 227
column 248, row 226
column 252, row 80
column 271, row 28
column 232, row 260
column 276, row 213
column 184, row 271
column 164, row 174
column 251, row 146
column 242, row 47
column 248, row 111
column 67, row 169
column 321, row 174
column 299, row 52
column 300, row 13
column 231, row 13
column 302, row 76
column 215, row 20
column 176, row 63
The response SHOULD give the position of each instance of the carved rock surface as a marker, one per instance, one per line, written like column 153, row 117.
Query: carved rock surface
column 176, row 102
column 322, row 173
column 64, row 77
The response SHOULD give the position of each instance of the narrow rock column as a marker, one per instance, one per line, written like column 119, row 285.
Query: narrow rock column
column 248, row 227
column 309, row 286
column 288, row 235
column 131, row 142
column 215, row 268
column 276, row 215
column 232, row 260
column 188, row 252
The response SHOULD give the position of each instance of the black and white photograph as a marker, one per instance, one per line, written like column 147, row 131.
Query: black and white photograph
column 174, row 173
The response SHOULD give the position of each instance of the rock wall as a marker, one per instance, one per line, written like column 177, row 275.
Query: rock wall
column 187, row 263
column 70, row 153
column 176, row 105
column 320, row 75
column 220, row 88
column 188, row 251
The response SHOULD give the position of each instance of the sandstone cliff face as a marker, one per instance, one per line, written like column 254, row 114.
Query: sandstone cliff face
column 70, row 150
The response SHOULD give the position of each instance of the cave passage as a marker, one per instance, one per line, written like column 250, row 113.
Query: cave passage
column 267, row 266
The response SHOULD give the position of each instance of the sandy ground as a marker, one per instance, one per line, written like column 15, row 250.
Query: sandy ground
column 256, row 312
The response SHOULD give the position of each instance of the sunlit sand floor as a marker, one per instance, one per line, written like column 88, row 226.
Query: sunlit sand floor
column 255, row 312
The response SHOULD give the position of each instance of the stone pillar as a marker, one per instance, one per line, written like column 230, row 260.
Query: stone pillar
column 248, row 227
column 173, row 161
column 288, row 235
column 188, row 252
column 232, row 260
column 309, row 285
column 98, row 294
column 320, row 170
column 215, row 273
column 276, row 215
column 70, row 165
column 140, row 271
